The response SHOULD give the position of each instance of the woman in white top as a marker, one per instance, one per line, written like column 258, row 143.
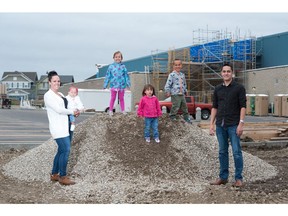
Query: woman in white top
column 56, row 106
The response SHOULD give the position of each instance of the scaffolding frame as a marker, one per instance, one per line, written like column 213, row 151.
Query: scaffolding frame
column 203, row 60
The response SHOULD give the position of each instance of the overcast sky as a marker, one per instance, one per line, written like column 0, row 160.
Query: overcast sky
column 72, row 43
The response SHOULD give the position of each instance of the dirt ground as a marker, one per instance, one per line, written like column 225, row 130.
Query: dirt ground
column 262, row 192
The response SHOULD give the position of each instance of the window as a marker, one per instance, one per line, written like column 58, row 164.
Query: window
column 45, row 85
column 188, row 99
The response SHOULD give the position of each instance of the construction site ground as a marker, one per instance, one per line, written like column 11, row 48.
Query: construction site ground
column 271, row 191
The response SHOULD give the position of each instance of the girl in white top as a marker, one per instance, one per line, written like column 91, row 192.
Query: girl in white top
column 56, row 106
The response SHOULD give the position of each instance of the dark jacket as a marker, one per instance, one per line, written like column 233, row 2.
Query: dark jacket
column 228, row 100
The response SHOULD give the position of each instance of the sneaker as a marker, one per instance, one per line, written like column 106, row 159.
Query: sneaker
column 157, row 140
column 188, row 121
column 124, row 113
column 147, row 139
column 72, row 128
column 110, row 113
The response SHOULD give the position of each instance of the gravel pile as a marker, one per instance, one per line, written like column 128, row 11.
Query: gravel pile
column 111, row 162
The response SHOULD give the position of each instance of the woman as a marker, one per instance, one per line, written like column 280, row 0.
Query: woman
column 56, row 106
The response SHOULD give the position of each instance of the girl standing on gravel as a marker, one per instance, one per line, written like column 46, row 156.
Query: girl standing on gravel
column 56, row 106
column 149, row 108
column 118, row 77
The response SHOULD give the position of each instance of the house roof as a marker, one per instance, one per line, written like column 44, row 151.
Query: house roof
column 92, row 77
column 31, row 75
column 34, row 78
column 17, row 91
column 43, row 77
column 64, row 78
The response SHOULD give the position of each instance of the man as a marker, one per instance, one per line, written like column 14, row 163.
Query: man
column 176, row 87
column 229, row 107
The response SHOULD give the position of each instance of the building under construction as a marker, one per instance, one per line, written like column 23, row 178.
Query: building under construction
column 203, row 59
column 202, row 62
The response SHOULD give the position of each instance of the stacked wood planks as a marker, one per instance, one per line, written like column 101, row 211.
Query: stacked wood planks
column 261, row 130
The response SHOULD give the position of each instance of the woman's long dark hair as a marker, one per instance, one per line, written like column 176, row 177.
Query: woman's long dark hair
column 51, row 74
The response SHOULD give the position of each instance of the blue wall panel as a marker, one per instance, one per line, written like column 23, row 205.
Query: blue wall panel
column 273, row 50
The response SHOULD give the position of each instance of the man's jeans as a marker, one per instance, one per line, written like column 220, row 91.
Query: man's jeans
column 61, row 157
column 151, row 123
column 224, row 134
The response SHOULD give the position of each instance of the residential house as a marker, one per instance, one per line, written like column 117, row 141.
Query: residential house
column 20, row 84
column 27, row 86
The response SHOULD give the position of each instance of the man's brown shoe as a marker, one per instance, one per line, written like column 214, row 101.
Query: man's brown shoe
column 54, row 177
column 64, row 180
column 238, row 183
column 219, row 182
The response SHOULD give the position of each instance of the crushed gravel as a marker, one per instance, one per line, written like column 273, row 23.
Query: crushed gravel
column 111, row 162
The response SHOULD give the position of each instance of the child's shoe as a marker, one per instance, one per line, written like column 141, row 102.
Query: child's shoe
column 173, row 118
column 157, row 140
column 124, row 113
column 147, row 139
column 188, row 121
column 110, row 113
column 72, row 128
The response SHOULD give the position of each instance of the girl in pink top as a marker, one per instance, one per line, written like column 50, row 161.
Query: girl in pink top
column 149, row 108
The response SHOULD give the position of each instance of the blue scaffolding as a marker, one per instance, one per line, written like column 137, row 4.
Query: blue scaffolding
column 222, row 50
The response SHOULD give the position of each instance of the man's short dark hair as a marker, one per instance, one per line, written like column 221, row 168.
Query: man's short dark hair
column 227, row 64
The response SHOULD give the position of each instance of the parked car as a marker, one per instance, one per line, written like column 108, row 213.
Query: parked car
column 6, row 103
column 192, row 105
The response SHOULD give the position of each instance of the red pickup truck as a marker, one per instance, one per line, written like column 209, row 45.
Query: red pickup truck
column 192, row 105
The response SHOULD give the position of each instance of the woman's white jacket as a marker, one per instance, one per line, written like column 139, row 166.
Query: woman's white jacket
column 57, row 114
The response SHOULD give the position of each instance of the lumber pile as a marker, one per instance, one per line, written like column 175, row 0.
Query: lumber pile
column 260, row 131
column 283, row 134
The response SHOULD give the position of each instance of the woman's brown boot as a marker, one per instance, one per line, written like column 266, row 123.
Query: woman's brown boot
column 64, row 180
column 54, row 177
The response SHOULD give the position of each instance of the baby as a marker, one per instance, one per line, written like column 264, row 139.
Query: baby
column 74, row 103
